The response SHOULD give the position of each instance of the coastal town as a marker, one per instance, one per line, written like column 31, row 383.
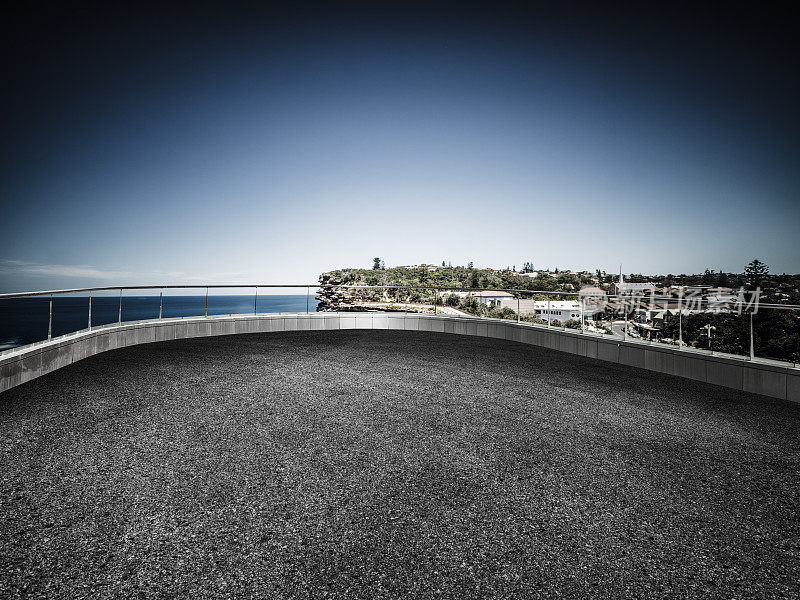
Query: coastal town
column 709, row 311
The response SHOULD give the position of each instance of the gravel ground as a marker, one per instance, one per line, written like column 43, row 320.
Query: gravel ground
column 372, row 464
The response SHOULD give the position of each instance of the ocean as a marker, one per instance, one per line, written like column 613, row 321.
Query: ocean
column 24, row 320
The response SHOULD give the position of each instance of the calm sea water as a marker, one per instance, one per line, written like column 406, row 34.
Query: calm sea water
column 24, row 320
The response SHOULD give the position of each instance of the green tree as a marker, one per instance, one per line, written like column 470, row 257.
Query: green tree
column 376, row 263
column 755, row 272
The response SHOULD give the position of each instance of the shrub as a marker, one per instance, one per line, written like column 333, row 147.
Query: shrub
column 507, row 313
column 469, row 304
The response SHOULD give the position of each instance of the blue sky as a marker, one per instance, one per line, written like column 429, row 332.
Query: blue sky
column 258, row 148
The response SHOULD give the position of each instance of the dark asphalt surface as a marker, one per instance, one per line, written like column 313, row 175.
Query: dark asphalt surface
column 370, row 464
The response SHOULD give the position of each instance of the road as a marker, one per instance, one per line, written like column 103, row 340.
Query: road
column 618, row 329
column 441, row 309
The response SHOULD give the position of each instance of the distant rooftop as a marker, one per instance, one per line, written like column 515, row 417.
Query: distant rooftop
column 492, row 294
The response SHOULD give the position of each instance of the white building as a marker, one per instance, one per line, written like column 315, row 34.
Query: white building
column 495, row 299
column 623, row 287
column 561, row 310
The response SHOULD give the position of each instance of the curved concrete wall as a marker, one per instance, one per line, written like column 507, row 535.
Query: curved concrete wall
column 777, row 381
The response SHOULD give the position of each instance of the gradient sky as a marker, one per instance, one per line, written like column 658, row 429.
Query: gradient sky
column 235, row 143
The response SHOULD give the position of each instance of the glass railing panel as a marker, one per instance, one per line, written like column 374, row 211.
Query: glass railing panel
column 183, row 302
column 105, row 308
column 776, row 334
column 23, row 321
column 231, row 301
column 70, row 313
column 138, row 305
column 286, row 300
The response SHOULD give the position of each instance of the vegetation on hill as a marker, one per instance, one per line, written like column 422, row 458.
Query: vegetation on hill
column 456, row 277
column 779, row 289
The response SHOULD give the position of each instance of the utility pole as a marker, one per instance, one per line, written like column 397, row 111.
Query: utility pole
column 709, row 328
column 680, row 319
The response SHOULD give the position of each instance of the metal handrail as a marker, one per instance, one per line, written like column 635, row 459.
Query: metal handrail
column 144, row 287
column 695, row 300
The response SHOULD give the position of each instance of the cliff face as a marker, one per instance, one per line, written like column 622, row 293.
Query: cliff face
column 330, row 299
column 341, row 300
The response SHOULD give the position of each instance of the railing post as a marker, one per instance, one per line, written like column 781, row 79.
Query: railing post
column 625, row 327
column 308, row 294
column 90, row 310
column 582, row 319
column 50, row 320
column 119, row 318
column 549, row 317
column 518, row 318
column 752, row 345
column 435, row 300
column 255, row 303
column 206, row 301
column 680, row 319
column 160, row 303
